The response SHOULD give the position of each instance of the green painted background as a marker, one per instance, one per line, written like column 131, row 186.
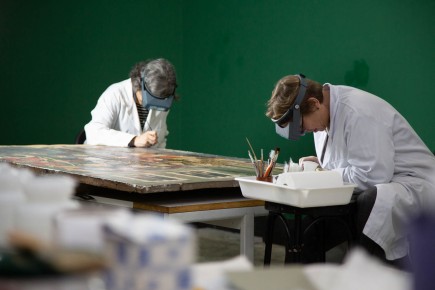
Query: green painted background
column 57, row 57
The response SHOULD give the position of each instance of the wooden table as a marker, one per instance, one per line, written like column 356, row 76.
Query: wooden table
column 189, row 186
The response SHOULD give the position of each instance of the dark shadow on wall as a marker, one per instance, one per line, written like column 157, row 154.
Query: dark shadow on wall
column 358, row 76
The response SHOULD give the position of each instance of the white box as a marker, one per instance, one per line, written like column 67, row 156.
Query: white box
column 148, row 252
column 300, row 197
column 310, row 179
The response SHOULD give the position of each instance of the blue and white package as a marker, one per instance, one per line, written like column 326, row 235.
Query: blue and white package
column 147, row 252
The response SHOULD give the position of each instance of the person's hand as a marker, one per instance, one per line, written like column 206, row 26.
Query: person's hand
column 147, row 139
column 308, row 158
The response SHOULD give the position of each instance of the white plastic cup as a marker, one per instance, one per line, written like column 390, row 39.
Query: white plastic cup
column 82, row 229
column 37, row 219
column 49, row 188
column 8, row 206
column 310, row 165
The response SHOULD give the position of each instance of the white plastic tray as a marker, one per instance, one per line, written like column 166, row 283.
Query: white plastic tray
column 301, row 197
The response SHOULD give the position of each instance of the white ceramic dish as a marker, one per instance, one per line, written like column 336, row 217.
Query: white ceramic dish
column 301, row 197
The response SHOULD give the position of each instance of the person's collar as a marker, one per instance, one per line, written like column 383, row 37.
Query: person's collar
column 332, row 108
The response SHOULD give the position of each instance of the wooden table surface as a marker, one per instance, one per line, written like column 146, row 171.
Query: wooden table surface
column 137, row 170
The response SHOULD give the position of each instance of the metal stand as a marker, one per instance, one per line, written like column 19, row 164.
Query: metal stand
column 294, row 245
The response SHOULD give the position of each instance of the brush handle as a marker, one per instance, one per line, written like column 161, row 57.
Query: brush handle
column 268, row 169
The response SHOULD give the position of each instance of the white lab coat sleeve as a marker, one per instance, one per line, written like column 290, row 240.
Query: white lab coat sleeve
column 105, row 117
column 370, row 151
column 163, row 133
column 157, row 121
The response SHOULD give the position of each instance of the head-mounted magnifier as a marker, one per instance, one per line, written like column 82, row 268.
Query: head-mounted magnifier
column 150, row 101
column 293, row 130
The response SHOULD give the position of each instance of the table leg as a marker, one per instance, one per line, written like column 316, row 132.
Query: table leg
column 297, row 247
column 247, row 236
column 269, row 238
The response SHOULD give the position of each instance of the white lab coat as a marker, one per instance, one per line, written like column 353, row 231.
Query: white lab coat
column 115, row 120
column 371, row 144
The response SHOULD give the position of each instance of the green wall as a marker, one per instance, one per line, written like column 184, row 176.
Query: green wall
column 235, row 51
column 57, row 58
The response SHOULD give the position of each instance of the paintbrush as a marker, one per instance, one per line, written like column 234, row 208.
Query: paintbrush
column 250, row 146
column 272, row 163
column 253, row 162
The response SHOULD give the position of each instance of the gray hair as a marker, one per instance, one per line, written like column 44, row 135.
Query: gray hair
column 159, row 77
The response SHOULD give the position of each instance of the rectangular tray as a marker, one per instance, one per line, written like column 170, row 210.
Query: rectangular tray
column 302, row 197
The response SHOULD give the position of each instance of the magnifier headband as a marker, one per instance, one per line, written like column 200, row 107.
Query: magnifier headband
column 151, row 101
column 293, row 128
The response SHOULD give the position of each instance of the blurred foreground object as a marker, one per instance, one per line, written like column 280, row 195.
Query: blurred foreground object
column 148, row 252
column 28, row 203
column 422, row 235
column 359, row 272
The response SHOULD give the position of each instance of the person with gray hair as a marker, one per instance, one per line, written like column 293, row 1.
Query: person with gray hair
column 133, row 112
